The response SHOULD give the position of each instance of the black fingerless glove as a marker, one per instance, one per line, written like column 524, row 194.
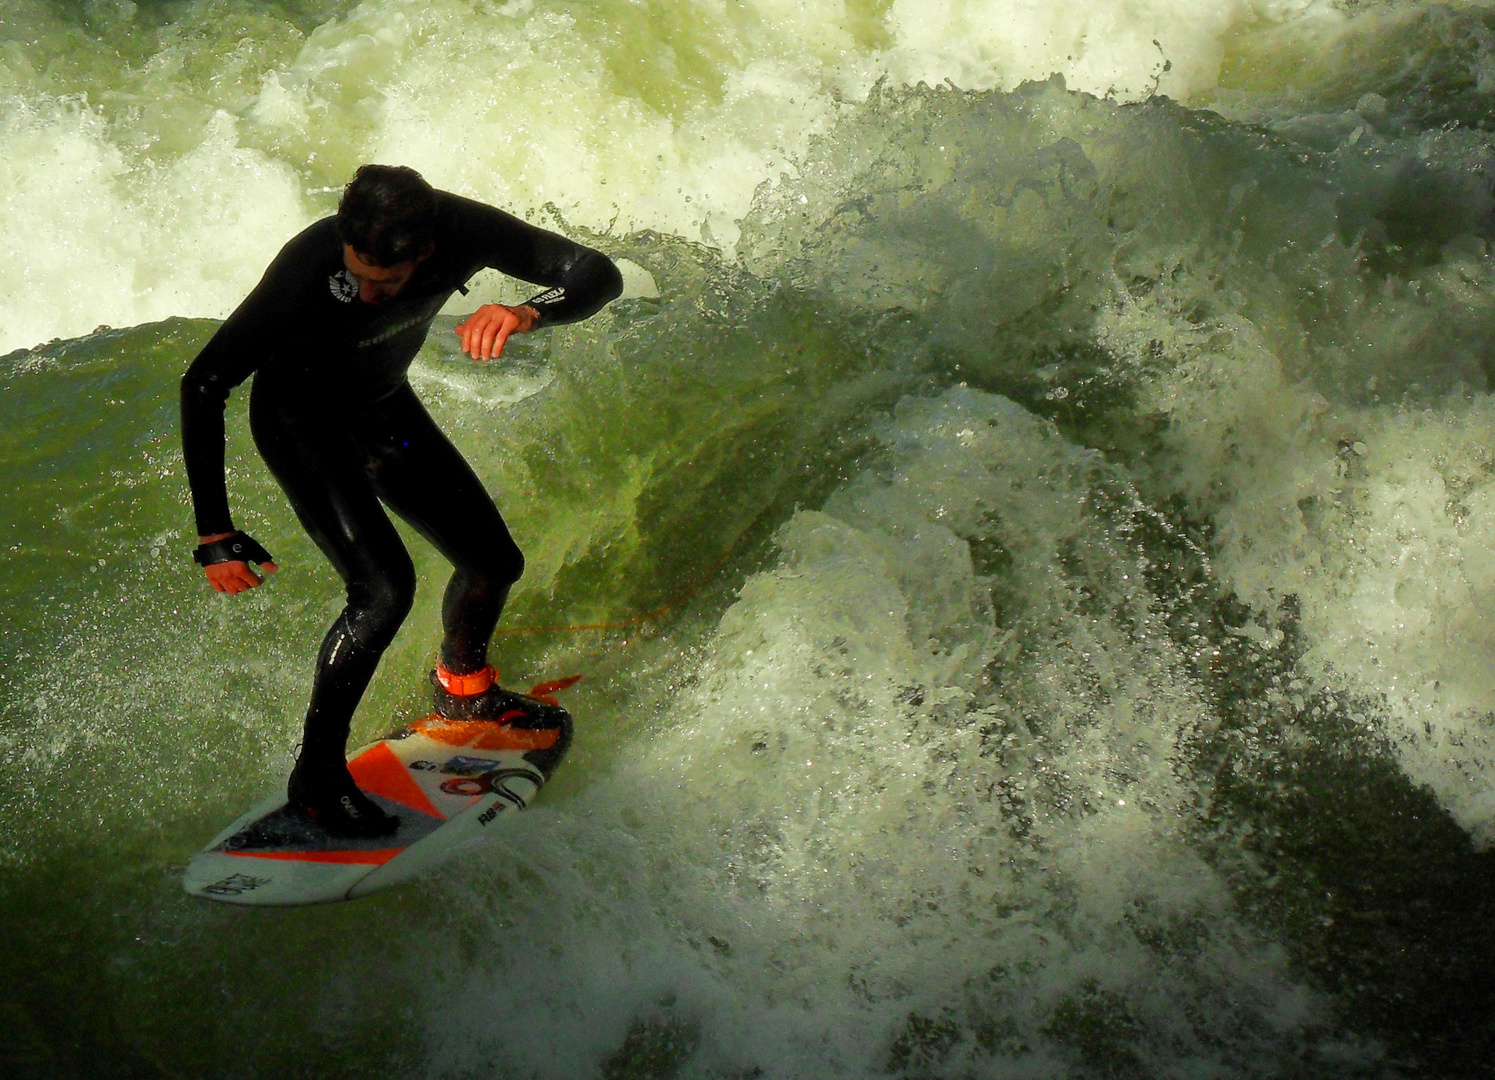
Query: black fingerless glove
column 240, row 547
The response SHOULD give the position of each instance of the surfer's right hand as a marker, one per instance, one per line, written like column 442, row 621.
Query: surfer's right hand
column 486, row 330
column 235, row 576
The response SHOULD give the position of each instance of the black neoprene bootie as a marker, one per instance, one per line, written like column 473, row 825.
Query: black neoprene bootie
column 493, row 703
column 548, row 727
column 329, row 797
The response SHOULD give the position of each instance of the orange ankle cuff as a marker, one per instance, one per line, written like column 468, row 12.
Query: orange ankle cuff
column 466, row 685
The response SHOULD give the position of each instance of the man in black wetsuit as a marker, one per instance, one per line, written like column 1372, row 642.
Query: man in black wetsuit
column 329, row 334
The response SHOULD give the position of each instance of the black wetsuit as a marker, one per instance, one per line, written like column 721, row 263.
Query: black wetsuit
column 335, row 418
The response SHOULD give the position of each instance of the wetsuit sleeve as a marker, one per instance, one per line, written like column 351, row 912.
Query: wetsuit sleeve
column 579, row 281
column 240, row 346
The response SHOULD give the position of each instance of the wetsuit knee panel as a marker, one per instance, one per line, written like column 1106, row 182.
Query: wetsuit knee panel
column 500, row 566
column 379, row 603
column 511, row 569
column 505, row 567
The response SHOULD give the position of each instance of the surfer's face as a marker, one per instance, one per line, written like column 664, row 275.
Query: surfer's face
column 376, row 284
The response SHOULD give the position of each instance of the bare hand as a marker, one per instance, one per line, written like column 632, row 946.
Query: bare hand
column 233, row 577
column 486, row 329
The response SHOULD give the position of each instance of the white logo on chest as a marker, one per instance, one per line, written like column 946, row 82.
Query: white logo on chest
column 343, row 287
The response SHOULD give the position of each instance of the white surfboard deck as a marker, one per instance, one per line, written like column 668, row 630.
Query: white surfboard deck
column 450, row 783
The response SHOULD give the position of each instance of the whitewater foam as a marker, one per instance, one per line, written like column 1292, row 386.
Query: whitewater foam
column 166, row 166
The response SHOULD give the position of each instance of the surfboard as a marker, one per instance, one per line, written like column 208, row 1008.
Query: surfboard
column 451, row 783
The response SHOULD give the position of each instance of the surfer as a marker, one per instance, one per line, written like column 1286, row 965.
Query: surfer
column 329, row 334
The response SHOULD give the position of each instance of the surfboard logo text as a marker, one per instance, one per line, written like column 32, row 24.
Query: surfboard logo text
column 236, row 885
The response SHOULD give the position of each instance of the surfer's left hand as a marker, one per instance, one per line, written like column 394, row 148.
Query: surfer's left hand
column 234, row 577
column 488, row 328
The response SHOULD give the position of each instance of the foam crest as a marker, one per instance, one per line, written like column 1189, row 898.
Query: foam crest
column 1378, row 519
column 90, row 238
column 1168, row 46
column 529, row 105
column 886, row 788
column 124, row 166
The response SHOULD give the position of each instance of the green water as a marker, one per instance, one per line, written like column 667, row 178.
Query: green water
column 1049, row 525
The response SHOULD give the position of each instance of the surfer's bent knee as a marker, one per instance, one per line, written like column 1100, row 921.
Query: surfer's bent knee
column 513, row 566
column 378, row 605
column 500, row 566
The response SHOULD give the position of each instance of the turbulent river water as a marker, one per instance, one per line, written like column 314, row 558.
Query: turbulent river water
column 1040, row 482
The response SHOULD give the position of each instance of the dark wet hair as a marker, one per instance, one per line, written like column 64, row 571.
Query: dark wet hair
column 387, row 214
